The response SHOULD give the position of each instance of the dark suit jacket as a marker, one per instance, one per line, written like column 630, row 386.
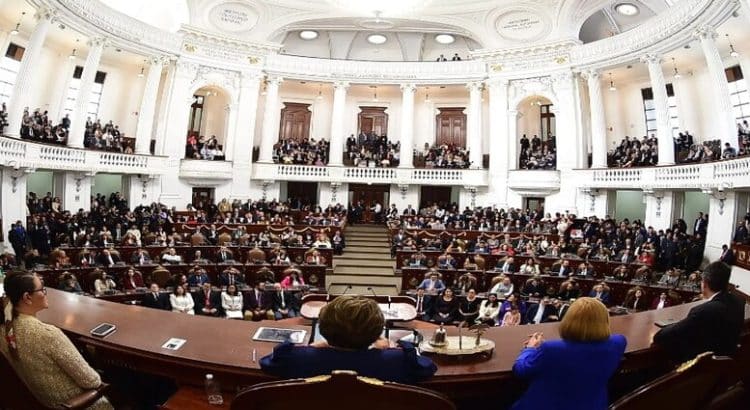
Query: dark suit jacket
column 728, row 257
column 199, row 298
column 160, row 302
column 227, row 257
column 712, row 326
column 289, row 300
column 103, row 260
column 549, row 310
column 251, row 302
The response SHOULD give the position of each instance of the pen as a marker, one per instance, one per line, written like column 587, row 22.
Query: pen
column 254, row 355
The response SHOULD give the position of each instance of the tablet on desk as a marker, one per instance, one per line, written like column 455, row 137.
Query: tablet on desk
column 103, row 329
column 277, row 335
column 665, row 322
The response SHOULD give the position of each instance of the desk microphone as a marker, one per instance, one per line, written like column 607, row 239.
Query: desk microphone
column 389, row 302
column 348, row 287
column 328, row 293
column 373, row 293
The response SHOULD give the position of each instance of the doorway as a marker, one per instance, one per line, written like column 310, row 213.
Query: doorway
column 302, row 194
column 202, row 197
column 369, row 195
column 373, row 121
column 534, row 203
column 429, row 195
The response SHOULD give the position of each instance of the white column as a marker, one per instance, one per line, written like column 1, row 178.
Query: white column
column 271, row 118
column 598, row 120
column 336, row 152
column 474, row 124
column 244, row 127
column 13, row 199
column 407, row 126
column 569, row 154
column 164, row 104
column 500, row 141
column 512, row 139
column 745, row 4
column 80, row 112
column 659, row 208
column 147, row 111
column 28, row 73
column 723, row 216
column 663, row 129
column 57, row 105
column 726, row 127
column 75, row 189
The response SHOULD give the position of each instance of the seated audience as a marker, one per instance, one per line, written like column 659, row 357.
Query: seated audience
column 155, row 299
column 258, row 304
column 350, row 326
column 181, row 301
column 231, row 303
column 207, row 301
column 302, row 152
column 555, row 366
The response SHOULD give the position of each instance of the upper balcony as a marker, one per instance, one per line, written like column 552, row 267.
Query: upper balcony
column 25, row 154
column 726, row 174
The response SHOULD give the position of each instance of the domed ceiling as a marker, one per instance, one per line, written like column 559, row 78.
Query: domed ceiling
column 397, row 30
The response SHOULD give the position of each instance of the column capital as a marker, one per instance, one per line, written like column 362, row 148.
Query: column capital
column 274, row 79
column 408, row 87
column 157, row 60
column 98, row 41
column 340, row 85
column 475, row 85
column 705, row 33
column 498, row 82
column 591, row 74
column 651, row 58
column 46, row 13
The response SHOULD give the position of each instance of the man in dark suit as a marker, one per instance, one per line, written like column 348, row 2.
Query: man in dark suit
column 18, row 239
column 258, row 303
column 155, row 299
column 231, row 276
column 713, row 326
column 224, row 256
column 727, row 256
column 561, row 268
column 140, row 257
column 284, row 304
column 207, row 301
column 700, row 226
column 542, row 312
column 106, row 258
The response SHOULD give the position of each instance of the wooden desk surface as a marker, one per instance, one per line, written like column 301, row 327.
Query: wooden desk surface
column 224, row 347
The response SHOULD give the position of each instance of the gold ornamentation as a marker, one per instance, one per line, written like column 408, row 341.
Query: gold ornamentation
column 561, row 60
column 253, row 60
column 190, row 48
column 497, row 67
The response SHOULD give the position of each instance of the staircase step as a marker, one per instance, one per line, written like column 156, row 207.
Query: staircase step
column 364, row 271
column 367, row 254
column 364, row 262
column 368, row 234
column 368, row 244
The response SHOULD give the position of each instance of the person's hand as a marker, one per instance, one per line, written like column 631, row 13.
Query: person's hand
column 382, row 343
column 535, row 340
column 320, row 344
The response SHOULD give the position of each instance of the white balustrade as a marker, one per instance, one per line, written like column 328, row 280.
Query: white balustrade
column 20, row 153
column 204, row 169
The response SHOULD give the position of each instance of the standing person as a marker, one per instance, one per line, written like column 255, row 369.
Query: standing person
column 553, row 368
column 713, row 326
column 42, row 356
column 18, row 239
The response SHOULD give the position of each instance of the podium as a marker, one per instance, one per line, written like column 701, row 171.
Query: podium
column 394, row 308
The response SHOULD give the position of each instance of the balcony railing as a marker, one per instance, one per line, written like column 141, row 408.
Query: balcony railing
column 26, row 154
column 205, row 169
column 309, row 173
column 730, row 173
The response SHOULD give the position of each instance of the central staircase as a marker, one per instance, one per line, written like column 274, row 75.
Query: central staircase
column 366, row 262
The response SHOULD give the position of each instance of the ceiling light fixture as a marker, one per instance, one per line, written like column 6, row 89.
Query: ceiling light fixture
column 308, row 34
column 676, row 73
column 376, row 39
column 732, row 51
column 445, row 38
column 627, row 9
column 375, row 93
column 320, row 92
column 140, row 75
column 18, row 25
column 611, row 83
column 74, row 54
column 427, row 95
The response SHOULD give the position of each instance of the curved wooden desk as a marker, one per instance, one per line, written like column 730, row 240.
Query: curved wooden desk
column 224, row 348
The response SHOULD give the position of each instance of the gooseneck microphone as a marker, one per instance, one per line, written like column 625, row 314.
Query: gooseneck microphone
column 328, row 293
column 348, row 288
column 373, row 293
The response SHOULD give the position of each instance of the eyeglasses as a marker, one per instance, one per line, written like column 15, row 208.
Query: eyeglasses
column 43, row 290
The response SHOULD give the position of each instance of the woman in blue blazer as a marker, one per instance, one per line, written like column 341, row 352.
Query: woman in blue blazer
column 571, row 373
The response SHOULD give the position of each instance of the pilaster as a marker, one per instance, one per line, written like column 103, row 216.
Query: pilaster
column 336, row 151
column 661, row 105
column 271, row 117
column 407, row 126
column 80, row 112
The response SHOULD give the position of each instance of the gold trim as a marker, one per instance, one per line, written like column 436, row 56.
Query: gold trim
column 690, row 363
column 370, row 380
column 318, row 379
column 190, row 48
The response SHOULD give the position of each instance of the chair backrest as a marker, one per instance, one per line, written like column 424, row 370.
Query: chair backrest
column 329, row 391
column 197, row 239
column 224, row 239
column 690, row 386
column 21, row 398
column 480, row 261
column 256, row 254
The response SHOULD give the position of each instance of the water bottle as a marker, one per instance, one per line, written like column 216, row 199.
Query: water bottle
column 213, row 391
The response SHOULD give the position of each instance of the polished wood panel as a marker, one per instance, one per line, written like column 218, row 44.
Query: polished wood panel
column 295, row 122
column 373, row 120
column 451, row 127
column 741, row 255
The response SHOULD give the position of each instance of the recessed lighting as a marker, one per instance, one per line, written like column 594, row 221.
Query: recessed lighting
column 377, row 39
column 308, row 34
column 627, row 9
column 445, row 38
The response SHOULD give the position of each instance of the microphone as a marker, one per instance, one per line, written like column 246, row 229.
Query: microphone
column 348, row 287
column 389, row 302
column 373, row 293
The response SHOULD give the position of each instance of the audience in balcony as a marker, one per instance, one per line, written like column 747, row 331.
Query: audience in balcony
column 39, row 128
column 202, row 148
column 538, row 154
column 107, row 137
column 370, row 150
column 3, row 118
column 632, row 152
column 301, row 152
column 446, row 156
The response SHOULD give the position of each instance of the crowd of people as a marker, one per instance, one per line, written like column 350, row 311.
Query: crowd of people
column 301, row 152
column 442, row 58
column 445, row 156
column 370, row 150
column 537, row 153
column 578, row 238
column 632, row 152
column 202, row 148
column 3, row 118
column 37, row 126
column 107, row 137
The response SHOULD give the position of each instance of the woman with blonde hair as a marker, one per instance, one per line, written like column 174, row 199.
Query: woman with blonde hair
column 571, row 373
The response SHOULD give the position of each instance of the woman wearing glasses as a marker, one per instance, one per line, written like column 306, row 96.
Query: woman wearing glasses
column 41, row 354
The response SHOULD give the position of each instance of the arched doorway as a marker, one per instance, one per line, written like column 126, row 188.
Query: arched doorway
column 536, row 132
column 208, row 127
